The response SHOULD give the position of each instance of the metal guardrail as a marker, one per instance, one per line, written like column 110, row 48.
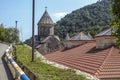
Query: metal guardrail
column 20, row 74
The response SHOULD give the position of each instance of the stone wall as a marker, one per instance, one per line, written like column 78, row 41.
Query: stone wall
column 50, row 44
column 104, row 42
column 73, row 43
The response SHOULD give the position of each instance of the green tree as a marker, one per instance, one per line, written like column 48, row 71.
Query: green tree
column 10, row 35
column 116, row 21
column 89, row 18
column 2, row 32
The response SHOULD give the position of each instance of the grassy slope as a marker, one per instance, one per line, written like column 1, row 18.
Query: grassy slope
column 41, row 70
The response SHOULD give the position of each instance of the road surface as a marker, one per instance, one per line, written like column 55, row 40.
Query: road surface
column 4, row 71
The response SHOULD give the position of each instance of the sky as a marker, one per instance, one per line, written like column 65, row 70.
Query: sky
column 21, row 11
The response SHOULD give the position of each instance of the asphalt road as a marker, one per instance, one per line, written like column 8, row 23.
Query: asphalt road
column 4, row 71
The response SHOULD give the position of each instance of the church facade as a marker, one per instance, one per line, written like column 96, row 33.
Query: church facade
column 46, row 40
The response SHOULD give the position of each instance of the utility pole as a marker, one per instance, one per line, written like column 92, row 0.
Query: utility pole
column 16, row 24
column 33, row 21
column 16, row 32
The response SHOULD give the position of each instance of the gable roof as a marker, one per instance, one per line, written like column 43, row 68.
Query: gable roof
column 45, row 19
column 81, row 36
column 51, row 37
column 107, row 32
column 103, row 63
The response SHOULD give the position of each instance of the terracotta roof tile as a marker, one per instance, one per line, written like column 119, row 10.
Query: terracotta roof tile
column 111, row 66
column 100, row 63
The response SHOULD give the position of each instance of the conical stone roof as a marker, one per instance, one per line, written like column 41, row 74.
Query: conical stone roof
column 67, row 37
column 45, row 19
column 81, row 36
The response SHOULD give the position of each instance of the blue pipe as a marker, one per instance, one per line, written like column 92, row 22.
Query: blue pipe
column 24, row 77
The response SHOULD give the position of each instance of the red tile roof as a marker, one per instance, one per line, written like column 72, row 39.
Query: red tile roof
column 111, row 66
column 100, row 63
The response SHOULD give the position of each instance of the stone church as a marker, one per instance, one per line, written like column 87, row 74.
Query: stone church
column 46, row 41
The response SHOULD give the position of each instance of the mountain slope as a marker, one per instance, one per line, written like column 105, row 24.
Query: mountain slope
column 92, row 18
